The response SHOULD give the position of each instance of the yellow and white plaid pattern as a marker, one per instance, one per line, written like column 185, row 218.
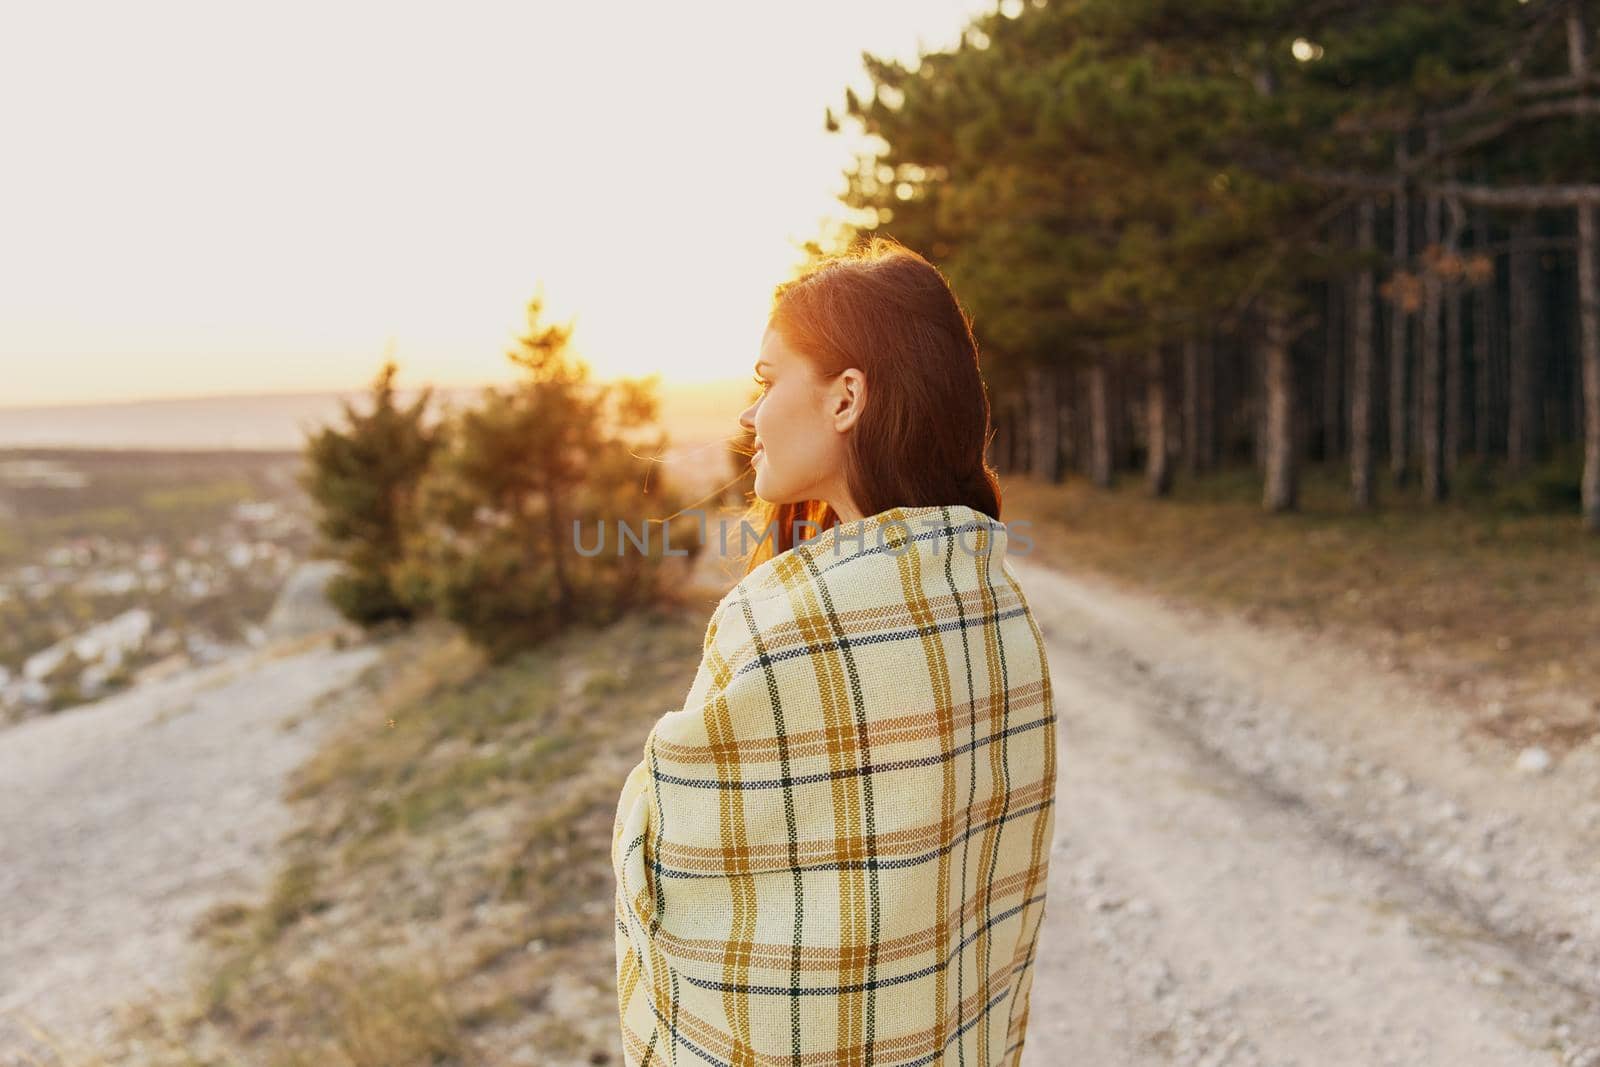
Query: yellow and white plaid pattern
column 834, row 854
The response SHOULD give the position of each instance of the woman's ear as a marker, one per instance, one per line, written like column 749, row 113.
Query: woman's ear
column 847, row 398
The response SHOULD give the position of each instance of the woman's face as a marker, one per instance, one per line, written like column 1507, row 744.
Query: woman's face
column 801, row 423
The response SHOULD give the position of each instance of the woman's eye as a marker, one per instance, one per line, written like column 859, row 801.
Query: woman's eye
column 762, row 382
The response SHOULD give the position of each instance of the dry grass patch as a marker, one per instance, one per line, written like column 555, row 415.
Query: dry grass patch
column 446, row 898
column 1495, row 605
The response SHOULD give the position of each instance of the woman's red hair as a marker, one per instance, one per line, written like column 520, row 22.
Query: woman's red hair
column 922, row 438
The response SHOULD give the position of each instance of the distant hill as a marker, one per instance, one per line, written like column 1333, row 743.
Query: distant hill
column 259, row 421
column 696, row 416
column 690, row 412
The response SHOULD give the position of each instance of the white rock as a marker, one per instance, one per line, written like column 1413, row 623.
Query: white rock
column 1533, row 760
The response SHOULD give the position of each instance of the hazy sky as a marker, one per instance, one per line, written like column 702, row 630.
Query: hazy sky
column 225, row 197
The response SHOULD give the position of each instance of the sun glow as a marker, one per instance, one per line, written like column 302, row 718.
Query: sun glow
column 206, row 198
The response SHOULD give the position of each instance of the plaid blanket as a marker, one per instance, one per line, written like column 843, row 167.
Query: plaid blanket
column 835, row 852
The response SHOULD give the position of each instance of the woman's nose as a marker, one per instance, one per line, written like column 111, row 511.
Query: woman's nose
column 747, row 417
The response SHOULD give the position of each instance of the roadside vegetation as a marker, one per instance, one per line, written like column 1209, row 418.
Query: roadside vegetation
column 446, row 896
column 1491, row 600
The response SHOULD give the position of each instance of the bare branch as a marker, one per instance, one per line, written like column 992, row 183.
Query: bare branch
column 1524, row 196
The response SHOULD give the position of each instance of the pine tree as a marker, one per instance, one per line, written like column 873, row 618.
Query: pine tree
column 1107, row 181
column 362, row 477
column 531, row 478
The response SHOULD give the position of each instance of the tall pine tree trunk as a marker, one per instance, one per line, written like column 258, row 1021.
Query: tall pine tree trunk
column 1083, row 429
column 1521, row 405
column 1280, row 492
column 1399, row 333
column 1258, row 374
column 1004, row 438
column 1158, row 460
column 1191, row 405
column 1045, row 417
column 1124, row 399
column 1451, row 373
column 1430, row 424
column 1333, row 361
column 1199, row 404
column 1577, row 41
column 1100, row 444
column 1023, row 439
column 1455, row 385
column 1068, row 405
column 1361, row 367
column 1483, row 298
column 1589, row 319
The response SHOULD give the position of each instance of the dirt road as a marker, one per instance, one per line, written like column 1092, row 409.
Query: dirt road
column 122, row 821
column 1269, row 852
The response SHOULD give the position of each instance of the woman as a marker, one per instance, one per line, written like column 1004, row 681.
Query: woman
column 835, row 853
